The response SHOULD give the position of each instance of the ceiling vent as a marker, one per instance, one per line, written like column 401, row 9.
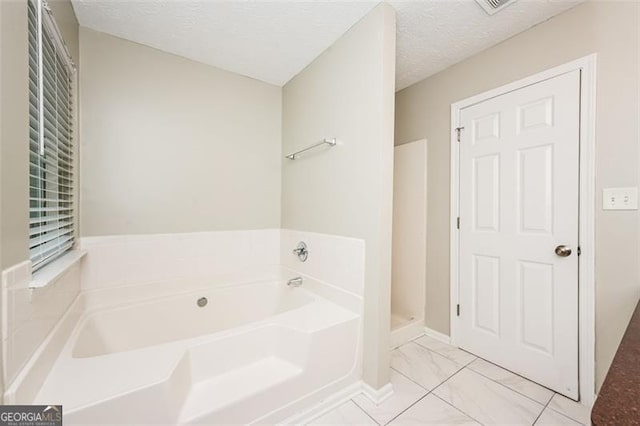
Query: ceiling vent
column 493, row 6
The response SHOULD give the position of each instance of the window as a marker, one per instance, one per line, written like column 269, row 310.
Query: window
column 51, row 174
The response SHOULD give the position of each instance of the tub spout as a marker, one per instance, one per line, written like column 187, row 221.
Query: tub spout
column 295, row 282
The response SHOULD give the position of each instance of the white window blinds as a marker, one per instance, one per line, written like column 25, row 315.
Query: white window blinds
column 51, row 174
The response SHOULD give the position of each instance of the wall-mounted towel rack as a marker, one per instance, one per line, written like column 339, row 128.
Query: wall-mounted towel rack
column 330, row 142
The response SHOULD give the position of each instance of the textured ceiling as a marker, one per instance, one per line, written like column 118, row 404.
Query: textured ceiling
column 267, row 40
column 274, row 40
column 435, row 34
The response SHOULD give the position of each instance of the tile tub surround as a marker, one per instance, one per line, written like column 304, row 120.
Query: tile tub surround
column 159, row 265
column 122, row 260
column 114, row 261
column 333, row 259
column 478, row 392
column 29, row 315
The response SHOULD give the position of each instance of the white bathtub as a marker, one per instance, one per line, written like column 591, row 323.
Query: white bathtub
column 179, row 317
column 247, row 356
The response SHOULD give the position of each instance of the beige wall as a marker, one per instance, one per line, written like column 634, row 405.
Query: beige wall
column 14, row 132
column 171, row 145
column 348, row 93
column 1, row 203
column 609, row 29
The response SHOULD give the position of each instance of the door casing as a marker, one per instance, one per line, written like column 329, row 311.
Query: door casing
column 586, row 232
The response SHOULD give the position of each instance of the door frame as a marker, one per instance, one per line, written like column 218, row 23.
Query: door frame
column 586, row 215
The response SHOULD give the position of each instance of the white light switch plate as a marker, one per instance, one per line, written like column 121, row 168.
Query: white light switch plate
column 620, row 198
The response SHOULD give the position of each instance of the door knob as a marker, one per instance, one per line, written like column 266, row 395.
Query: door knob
column 563, row 251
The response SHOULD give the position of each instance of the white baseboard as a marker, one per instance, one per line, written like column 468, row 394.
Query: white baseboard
column 377, row 396
column 337, row 399
column 326, row 405
column 437, row 335
column 406, row 333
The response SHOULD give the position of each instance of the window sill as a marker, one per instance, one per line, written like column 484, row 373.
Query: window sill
column 56, row 269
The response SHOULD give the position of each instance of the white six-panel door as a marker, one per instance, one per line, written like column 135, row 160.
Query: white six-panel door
column 519, row 186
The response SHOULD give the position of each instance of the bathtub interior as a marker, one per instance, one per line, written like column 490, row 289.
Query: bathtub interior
column 161, row 320
column 261, row 347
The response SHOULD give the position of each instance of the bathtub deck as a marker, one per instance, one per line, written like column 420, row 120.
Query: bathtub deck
column 236, row 385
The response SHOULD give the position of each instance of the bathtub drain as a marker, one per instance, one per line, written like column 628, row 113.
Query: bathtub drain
column 202, row 302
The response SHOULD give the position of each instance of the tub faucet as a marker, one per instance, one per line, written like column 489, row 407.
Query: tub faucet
column 295, row 282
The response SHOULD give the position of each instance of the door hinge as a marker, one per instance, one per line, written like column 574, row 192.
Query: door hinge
column 458, row 309
column 458, row 130
column 579, row 251
column 458, row 222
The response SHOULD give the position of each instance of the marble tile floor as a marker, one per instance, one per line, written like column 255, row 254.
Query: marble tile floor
column 439, row 384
